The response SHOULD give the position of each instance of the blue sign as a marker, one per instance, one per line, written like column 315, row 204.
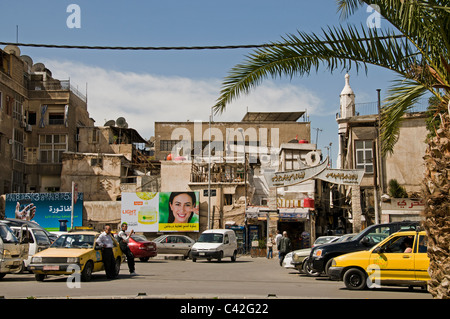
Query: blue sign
column 50, row 210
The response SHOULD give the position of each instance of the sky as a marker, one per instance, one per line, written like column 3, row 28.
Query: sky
column 160, row 86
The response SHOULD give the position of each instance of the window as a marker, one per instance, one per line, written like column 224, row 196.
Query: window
column 364, row 155
column 32, row 118
column 51, row 147
column 167, row 145
column 56, row 118
column 18, row 145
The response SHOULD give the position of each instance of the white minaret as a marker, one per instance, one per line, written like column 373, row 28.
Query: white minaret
column 347, row 100
column 347, row 110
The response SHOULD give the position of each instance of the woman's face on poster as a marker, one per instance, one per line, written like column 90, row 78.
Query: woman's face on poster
column 182, row 208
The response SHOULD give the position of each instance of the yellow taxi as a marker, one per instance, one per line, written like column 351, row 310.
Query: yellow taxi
column 73, row 252
column 401, row 259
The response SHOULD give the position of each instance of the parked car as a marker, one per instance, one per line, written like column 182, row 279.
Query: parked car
column 141, row 247
column 400, row 259
column 300, row 257
column 174, row 244
column 13, row 251
column 321, row 257
column 288, row 259
column 37, row 240
column 75, row 250
column 215, row 244
column 30, row 224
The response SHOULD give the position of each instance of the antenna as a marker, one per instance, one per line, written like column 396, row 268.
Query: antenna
column 317, row 135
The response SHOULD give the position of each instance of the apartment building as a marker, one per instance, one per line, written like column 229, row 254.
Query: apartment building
column 39, row 120
column 359, row 148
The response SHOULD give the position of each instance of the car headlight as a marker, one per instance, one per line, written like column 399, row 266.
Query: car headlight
column 72, row 260
column 37, row 259
column 317, row 253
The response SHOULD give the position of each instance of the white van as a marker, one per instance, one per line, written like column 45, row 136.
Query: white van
column 36, row 238
column 215, row 244
column 13, row 251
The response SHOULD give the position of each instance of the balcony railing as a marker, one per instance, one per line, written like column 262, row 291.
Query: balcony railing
column 55, row 85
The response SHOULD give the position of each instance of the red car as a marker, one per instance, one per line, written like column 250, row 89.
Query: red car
column 142, row 248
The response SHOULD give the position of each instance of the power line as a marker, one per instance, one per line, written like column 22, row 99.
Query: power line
column 87, row 47
column 180, row 48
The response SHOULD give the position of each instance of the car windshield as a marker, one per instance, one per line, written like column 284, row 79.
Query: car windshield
column 324, row 240
column 41, row 237
column 345, row 237
column 7, row 234
column 210, row 238
column 74, row 241
column 139, row 238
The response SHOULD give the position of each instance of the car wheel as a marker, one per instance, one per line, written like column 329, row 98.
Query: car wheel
column 233, row 258
column 39, row 277
column 86, row 274
column 308, row 270
column 220, row 257
column 328, row 265
column 118, row 262
column 194, row 259
column 355, row 279
column 144, row 259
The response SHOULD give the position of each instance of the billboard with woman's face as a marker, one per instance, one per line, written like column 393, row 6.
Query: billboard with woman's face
column 161, row 212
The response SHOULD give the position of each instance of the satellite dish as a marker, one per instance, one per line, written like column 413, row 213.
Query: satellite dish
column 121, row 122
column 27, row 60
column 12, row 49
column 110, row 123
column 38, row 67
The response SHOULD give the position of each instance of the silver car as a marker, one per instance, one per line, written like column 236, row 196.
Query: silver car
column 174, row 244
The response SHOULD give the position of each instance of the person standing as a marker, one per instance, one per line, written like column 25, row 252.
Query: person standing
column 105, row 241
column 270, row 243
column 284, row 247
column 277, row 241
column 123, row 241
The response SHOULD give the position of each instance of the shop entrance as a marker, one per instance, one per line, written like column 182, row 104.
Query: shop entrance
column 294, row 231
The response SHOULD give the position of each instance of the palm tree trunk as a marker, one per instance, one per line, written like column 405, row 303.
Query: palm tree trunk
column 437, row 209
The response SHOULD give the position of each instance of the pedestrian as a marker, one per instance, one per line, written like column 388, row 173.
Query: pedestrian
column 277, row 241
column 105, row 241
column 284, row 247
column 270, row 243
column 123, row 239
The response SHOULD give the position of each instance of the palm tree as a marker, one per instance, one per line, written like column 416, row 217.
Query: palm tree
column 416, row 47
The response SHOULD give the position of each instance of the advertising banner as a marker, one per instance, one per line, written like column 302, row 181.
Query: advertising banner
column 52, row 211
column 161, row 212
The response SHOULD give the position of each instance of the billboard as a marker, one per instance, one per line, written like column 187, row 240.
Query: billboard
column 50, row 210
column 161, row 212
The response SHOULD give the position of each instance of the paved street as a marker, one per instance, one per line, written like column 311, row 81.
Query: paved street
column 247, row 278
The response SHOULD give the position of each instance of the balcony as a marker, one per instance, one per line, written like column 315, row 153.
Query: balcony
column 55, row 85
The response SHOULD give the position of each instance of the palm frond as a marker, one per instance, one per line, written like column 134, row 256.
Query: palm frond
column 300, row 54
column 402, row 96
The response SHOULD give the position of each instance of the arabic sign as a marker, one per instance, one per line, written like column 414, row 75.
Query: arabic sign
column 402, row 205
column 281, row 179
column 341, row 176
column 52, row 211
column 165, row 211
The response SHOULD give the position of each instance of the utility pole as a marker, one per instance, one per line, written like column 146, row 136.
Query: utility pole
column 317, row 136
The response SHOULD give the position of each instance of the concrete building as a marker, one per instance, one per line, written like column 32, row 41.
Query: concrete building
column 109, row 160
column 234, row 172
column 39, row 120
column 359, row 148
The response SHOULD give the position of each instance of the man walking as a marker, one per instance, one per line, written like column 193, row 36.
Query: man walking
column 123, row 241
column 105, row 241
column 284, row 247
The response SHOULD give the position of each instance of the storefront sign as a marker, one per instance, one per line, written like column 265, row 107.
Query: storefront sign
column 341, row 176
column 165, row 211
column 281, row 179
column 402, row 206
